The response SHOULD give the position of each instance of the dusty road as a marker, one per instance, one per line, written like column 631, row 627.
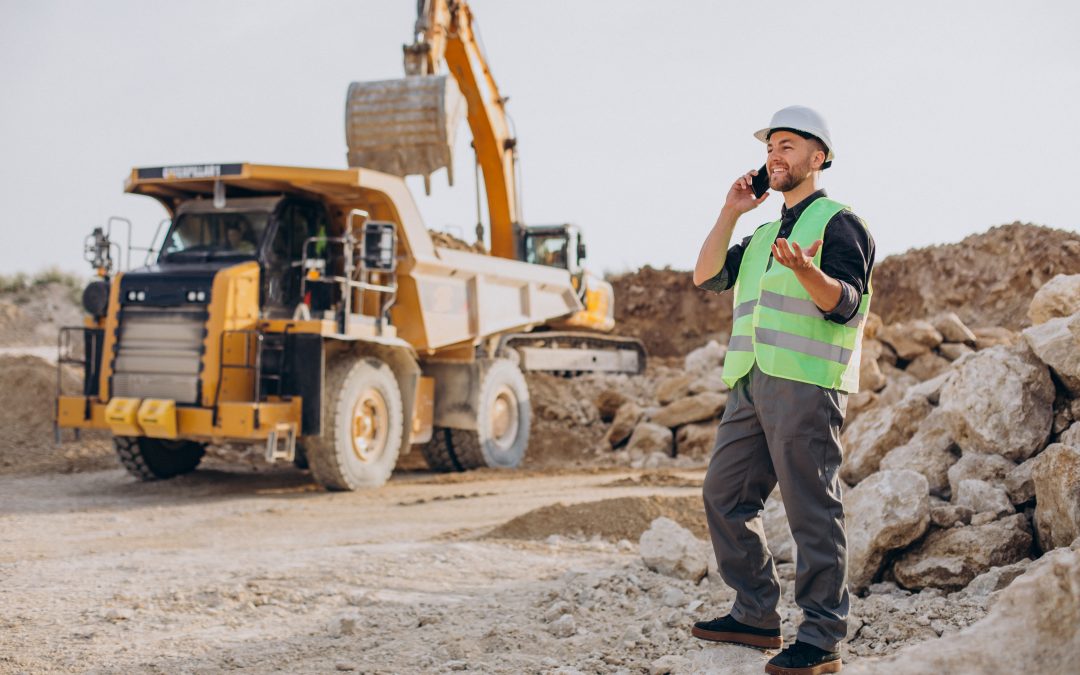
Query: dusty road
column 263, row 572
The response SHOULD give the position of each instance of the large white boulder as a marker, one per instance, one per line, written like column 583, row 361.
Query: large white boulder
column 1034, row 627
column 1001, row 401
column 885, row 512
column 931, row 451
column 697, row 408
column 950, row 559
column 1058, row 297
column 1057, row 496
column 876, row 432
column 976, row 466
column 1056, row 346
column 671, row 549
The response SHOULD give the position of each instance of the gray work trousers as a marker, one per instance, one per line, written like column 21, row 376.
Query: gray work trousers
column 781, row 431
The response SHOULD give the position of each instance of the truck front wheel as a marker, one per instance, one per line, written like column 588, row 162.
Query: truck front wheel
column 362, row 425
column 158, row 458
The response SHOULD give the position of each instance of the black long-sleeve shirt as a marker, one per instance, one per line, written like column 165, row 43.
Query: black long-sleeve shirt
column 847, row 255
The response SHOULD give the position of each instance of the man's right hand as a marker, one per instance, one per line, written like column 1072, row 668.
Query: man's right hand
column 740, row 198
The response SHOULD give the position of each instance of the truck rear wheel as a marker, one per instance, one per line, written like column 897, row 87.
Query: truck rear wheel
column 362, row 426
column 158, row 458
column 503, row 419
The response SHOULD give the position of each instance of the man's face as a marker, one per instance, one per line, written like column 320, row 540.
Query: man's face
column 234, row 236
column 791, row 160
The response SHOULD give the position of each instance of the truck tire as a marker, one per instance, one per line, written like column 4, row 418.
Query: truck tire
column 502, row 420
column 362, row 425
column 158, row 458
column 439, row 451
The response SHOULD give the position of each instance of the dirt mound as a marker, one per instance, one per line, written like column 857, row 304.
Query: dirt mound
column 449, row 241
column 614, row 519
column 27, row 411
column 664, row 309
column 988, row 279
column 32, row 312
column 657, row 479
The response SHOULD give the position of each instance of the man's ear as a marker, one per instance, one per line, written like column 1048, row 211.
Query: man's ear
column 816, row 166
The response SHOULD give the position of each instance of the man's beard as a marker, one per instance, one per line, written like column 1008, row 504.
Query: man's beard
column 792, row 178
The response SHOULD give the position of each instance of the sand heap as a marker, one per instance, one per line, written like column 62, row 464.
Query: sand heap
column 27, row 411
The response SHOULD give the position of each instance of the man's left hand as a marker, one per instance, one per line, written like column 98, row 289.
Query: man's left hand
column 792, row 256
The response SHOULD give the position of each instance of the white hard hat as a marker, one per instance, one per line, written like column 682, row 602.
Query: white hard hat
column 801, row 119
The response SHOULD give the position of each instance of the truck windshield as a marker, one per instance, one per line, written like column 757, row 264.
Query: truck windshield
column 215, row 235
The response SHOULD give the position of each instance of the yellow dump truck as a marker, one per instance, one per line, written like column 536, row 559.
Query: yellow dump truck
column 309, row 311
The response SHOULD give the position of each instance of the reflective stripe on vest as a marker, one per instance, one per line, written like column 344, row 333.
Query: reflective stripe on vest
column 775, row 323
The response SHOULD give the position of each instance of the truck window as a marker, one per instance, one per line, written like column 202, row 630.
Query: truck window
column 296, row 222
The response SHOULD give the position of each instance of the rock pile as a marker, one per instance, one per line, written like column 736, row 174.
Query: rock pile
column 964, row 457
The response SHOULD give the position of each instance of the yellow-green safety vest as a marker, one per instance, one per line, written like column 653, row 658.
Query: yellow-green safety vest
column 776, row 324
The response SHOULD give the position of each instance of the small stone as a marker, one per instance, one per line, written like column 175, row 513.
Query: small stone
column 649, row 438
column 119, row 614
column 983, row 518
column 993, row 336
column 563, row 627
column 910, row 339
column 1071, row 436
column 927, row 366
column 669, row 665
column 974, row 465
column 608, row 402
column 343, row 624
column 346, row 666
column 995, row 579
column 950, row 515
column 706, row 358
column 556, row 610
column 953, row 351
column 695, row 440
column 626, row 418
column 982, row 497
column 1019, row 482
column 673, row 388
column 952, row 328
column 695, row 408
column 672, row 597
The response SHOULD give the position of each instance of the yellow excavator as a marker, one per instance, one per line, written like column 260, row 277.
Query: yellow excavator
column 309, row 311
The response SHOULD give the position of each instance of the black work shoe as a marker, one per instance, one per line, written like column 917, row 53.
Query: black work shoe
column 802, row 658
column 726, row 629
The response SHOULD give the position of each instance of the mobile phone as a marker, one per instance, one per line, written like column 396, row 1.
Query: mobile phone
column 760, row 185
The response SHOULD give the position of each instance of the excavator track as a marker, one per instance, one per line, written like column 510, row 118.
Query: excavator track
column 573, row 352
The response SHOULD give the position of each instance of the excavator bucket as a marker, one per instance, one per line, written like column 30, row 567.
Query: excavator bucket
column 404, row 127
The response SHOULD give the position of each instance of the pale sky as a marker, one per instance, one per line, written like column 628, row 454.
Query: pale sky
column 633, row 117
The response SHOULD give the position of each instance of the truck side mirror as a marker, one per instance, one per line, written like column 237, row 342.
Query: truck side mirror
column 581, row 250
column 379, row 246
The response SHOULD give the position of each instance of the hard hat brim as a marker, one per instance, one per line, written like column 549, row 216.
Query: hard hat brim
column 763, row 136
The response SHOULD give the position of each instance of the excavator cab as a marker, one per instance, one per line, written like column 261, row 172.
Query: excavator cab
column 559, row 246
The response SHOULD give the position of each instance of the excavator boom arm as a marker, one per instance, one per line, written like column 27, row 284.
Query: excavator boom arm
column 444, row 34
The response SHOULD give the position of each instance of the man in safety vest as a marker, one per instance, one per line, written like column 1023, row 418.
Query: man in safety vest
column 802, row 291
